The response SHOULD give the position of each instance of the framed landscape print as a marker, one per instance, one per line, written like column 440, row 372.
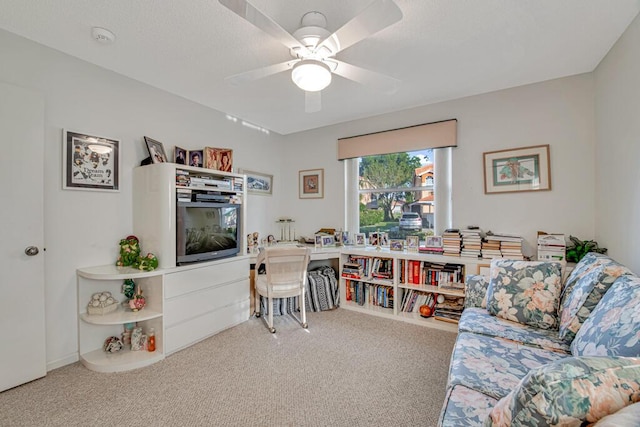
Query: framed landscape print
column 517, row 169
column 311, row 184
column 258, row 183
column 90, row 162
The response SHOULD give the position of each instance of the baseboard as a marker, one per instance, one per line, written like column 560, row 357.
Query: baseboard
column 68, row 360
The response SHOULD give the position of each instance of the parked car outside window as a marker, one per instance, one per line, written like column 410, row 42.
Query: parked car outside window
column 411, row 221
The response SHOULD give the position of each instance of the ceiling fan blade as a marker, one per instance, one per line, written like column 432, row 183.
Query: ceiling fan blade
column 246, row 10
column 379, row 81
column 259, row 73
column 374, row 18
column 312, row 102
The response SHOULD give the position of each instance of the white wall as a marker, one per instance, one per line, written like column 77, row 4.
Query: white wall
column 83, row 228
column 618, row 149
column 558, row 112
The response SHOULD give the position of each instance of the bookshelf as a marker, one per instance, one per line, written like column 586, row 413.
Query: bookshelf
column 394, row 284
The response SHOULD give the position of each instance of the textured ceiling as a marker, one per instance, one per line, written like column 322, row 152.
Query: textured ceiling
column 440, row 50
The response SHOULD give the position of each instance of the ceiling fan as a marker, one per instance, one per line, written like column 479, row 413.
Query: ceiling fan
column 313, row 48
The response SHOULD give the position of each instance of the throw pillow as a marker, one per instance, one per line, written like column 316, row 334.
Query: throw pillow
column 588, row 282
column 570, row 392
column 625, row 417
column 613, row 327
column 475, row 291
column 527, row 292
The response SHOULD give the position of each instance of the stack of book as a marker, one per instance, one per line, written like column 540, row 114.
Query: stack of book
column 450, row 309
column 551, row 247
column 471, row 242
column 491, row 249
column 352, row 270
column 451, row 242
column 510, row 245
column 412, row 300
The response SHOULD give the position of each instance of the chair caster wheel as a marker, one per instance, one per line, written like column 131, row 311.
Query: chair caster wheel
column 305, row 326
column 272, row 330
column 257, row 314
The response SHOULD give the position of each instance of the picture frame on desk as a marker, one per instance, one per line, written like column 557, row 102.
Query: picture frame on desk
column 318, row 240
column 156, row 150
column 90, row 162
column 433, row 241
column 311, row 184
column 396, row 245
column 517, row 169
column 328, row 241
column 359, row 239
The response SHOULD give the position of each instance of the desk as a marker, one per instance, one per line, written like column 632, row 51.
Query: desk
column 319, row 256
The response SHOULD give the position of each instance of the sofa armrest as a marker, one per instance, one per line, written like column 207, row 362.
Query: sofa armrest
column 475, row 291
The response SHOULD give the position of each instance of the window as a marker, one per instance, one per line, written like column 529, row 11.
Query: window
column 387, row 186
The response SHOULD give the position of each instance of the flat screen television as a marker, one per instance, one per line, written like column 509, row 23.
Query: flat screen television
column 206, row 231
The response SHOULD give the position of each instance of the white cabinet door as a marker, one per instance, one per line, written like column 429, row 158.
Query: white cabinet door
column 22, row 321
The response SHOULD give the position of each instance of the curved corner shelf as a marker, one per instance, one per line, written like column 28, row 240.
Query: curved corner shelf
column 124, row 360
column 120, row 316
column 111, row 272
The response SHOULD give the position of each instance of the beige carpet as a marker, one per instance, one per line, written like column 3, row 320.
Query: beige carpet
column 347, row 369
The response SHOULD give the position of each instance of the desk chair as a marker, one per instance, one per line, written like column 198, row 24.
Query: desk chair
column 286, row 277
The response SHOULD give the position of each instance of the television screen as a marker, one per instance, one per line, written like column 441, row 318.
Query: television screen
column 206, row 231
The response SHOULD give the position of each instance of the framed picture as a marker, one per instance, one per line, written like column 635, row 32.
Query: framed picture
column 156, row 150
column 413, row 242
column 90, row 162
column 433, row 241
column 518, row 169
column 396, row 244
column 195, row 158
column 318, row 240
column 311, row 184
column 484, row 270
column 328, row 241
column 218, row 158
column 345, row 238
column 180, row 155
column 210, row 158
column 359, row 239
column 373, row 239
column 258, row 183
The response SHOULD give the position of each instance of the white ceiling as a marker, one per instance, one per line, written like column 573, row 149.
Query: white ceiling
column 441, row 49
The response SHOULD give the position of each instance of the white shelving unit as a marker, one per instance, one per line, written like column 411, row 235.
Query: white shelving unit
column 93, row 329
column 470, row 266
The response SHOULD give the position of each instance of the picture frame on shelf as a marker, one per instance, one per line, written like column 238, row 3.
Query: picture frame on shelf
column 359, row 239
column 258, row 182
column 413, row 243
column 328, row 241
column 345, row 238
column 484, row 270
column 433, row 241
column 180, row 155
column 517, row 169
column 195, row 158
column 90, row 162
column 396, row 245
column 210, row 158
column 311, row 184
column 156, row 150
column 318, row 240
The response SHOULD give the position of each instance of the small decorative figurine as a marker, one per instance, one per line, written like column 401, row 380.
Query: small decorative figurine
column 136, row 339
column 129, row 252
column 112, row 345
column 138, row 301
column 129, row 288
column 148, row 263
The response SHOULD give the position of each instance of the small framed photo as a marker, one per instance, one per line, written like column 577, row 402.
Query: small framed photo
column 218, row 159
column 328, row 241
column 413, row 242
column 484, row 270
column 311, row 184
column 156, row 150
column 433, row 241
column 345, row 238
column 90, row 162
column 383, row 236
column 318, row 240
column 373, row 239
column 195, row 158
column 180, row 155
column 258, row 183
column 396, row 244
column 359, row 239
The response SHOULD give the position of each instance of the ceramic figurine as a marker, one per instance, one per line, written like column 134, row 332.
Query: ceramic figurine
column 138, row 301
column 129, row 252
column 112, row 345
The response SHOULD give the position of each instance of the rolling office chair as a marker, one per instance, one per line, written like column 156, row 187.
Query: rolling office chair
column 286, row 277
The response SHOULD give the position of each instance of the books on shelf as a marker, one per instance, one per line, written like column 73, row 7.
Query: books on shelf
column 551, row 247
column 412, row 300
column 417, row 272
column 451, row 242
column 368, row 293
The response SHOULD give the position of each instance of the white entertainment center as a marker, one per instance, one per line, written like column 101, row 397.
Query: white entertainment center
column 185, row 303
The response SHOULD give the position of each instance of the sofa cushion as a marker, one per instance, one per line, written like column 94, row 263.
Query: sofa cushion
column 493, row 366
column 587, row 283
column 475, row 291
column 527, row 292
column 613, row 328
column 573, row 391
column 465, row 407
column 625, row 417
column 479, row 321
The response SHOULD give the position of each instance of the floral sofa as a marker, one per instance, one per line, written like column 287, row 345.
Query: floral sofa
column 534, row 351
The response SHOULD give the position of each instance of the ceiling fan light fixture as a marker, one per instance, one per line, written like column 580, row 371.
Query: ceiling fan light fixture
column 311, row 75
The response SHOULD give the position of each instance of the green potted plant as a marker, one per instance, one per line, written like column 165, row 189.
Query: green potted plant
column 577, row 249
